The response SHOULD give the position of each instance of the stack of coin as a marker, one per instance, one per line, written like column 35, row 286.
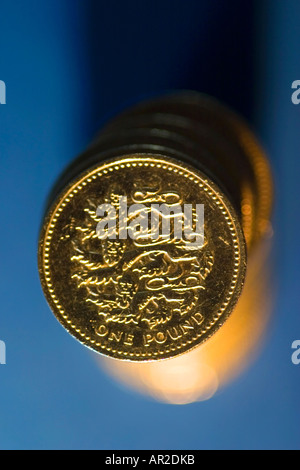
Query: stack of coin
column 151, row 298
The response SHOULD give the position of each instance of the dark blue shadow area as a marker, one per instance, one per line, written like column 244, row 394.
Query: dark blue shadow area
column 68, row 66
column 137, row 49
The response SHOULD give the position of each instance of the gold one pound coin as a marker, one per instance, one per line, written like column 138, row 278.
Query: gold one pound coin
column 117, row 275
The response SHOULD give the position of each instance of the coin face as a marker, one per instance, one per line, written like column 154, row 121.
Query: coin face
column 126, row 265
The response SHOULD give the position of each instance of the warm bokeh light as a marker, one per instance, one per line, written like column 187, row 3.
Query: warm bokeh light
column 198, row 374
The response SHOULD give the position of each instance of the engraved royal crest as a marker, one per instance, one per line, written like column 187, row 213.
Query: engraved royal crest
column 141, row 281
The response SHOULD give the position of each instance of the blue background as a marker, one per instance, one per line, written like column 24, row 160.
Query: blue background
column 69, row 65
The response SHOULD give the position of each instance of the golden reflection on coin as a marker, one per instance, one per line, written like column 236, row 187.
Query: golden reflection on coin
column 142, row 298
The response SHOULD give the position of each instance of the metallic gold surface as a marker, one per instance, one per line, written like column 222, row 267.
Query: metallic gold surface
column 149, row 299
column 141, row 299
